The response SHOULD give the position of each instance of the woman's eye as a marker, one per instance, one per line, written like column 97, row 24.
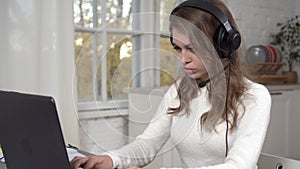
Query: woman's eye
column 178, row 49
column 190, row 49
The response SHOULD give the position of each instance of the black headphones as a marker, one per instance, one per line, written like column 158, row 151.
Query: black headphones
column 226, row 37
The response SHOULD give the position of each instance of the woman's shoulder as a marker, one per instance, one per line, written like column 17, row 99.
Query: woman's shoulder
column 172, row 91
column 258, row 90
column 256, row 87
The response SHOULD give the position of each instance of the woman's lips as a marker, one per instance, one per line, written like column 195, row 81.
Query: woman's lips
column 189, row 70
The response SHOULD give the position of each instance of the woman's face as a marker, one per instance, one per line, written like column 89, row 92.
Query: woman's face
column 193, row 65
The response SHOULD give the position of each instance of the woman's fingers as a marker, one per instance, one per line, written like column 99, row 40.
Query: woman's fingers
column 92, row 162
column 77, row 161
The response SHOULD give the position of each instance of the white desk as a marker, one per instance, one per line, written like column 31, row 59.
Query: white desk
column 2, row 165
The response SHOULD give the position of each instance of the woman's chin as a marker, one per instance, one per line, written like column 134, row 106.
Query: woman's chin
column 193, row 76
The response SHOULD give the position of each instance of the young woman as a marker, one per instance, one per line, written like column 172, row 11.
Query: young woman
column 215, row 116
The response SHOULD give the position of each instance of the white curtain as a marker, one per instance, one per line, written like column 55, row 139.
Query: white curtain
column 37, row 54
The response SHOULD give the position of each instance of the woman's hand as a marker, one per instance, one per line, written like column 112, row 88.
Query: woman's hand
column 92, row 162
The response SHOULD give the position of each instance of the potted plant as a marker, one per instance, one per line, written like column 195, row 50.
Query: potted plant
column 288, row 41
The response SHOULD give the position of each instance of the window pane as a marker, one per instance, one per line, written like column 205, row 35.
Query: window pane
column 89, row 13
column 119, row 65
column 168, row 60
column 168, row 63
column 118, row 62
column 118, row 14
column 116, row 76
column 88, row 46
column 83, row 13
column 84, row 66
column 166, row 6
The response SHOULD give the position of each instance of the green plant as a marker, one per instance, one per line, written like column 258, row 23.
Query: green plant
column 288, row 40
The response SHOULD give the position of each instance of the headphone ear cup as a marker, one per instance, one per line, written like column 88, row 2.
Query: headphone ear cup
column 219, row 42
column 234, row 40
column 225, row 41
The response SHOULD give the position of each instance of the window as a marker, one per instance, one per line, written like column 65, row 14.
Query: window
column 120, row 44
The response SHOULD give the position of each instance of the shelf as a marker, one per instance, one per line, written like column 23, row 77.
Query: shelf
column 267, row 67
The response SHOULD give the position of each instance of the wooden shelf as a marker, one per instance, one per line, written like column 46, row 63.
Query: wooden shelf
column 267, row 67
column 266, row 73
column 271, row 79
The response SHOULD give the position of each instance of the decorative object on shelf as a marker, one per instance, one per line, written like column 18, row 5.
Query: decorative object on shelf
column 266, row 73
column 263, row 53
column 288, row 41
column 267, row 67
column 256, row 53
column 266, row 60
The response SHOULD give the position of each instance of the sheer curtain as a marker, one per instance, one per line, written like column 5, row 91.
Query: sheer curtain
column 37, row 54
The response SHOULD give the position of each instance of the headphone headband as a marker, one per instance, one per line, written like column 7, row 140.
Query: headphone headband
column 208, row 7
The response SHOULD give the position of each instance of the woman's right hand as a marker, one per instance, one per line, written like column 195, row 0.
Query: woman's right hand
column 92, row 162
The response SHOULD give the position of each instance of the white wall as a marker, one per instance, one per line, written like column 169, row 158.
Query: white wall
column 98, row 135
column 257, row 19
column 297, row 7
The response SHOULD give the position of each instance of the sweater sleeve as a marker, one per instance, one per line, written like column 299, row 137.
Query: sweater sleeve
column 144, row 148
column 250, row 134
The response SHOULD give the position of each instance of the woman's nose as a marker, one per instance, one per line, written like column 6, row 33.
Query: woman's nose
column 185, row 58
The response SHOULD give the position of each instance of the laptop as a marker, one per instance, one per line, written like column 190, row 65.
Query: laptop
column 30, row 132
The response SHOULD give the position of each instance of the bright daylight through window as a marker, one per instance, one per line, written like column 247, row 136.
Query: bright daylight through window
column 111, row 44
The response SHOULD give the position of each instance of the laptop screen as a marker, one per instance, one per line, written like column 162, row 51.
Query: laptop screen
column 30, row 134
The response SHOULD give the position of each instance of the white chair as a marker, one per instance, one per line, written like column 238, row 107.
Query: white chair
column 267, row 161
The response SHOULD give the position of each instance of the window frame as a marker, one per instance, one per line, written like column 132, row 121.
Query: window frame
column 143, row 40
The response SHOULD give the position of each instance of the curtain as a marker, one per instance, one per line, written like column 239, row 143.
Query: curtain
column 37, row 54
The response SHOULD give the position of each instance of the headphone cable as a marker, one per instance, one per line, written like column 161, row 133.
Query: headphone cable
column 226, row 110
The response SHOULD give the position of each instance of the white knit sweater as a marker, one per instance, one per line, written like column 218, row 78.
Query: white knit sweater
column 197, row 148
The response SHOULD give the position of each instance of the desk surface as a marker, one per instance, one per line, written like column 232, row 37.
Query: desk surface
column 2, row 165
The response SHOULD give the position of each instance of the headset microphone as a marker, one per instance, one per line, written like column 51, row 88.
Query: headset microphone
column 203, row 83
